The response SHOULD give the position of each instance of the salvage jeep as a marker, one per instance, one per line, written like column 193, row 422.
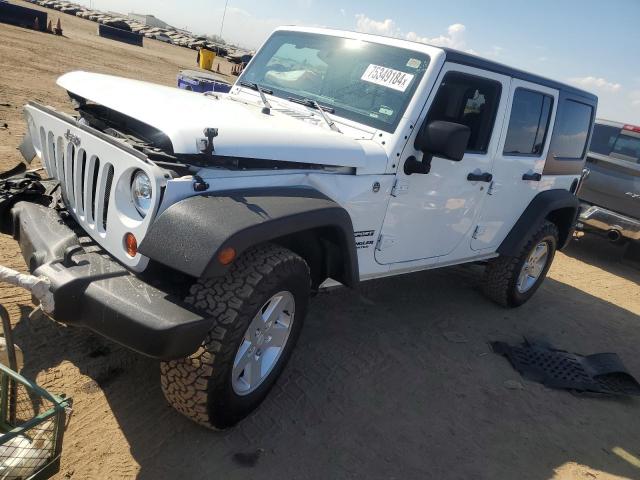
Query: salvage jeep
column 193, row 228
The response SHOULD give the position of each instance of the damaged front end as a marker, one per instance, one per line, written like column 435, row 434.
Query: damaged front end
column 71, row 222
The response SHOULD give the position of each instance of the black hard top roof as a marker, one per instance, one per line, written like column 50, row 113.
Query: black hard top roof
column 463, row 58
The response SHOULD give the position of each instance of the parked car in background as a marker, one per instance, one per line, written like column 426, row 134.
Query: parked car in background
column 163, row 37
column 117, row 23
column 610, row 191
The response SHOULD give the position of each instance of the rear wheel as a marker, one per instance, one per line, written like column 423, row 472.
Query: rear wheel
column 511, row 281
column 257, row 312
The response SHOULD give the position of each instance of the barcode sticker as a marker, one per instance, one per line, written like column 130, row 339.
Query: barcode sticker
column 387, row 77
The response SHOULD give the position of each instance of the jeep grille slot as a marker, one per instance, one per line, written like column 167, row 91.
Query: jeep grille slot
column 69, row 161
column 106, row 194
column 90, row 177
column 78, row 181
column 59, row 155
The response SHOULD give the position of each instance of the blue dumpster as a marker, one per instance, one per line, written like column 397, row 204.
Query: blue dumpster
column 202, row 82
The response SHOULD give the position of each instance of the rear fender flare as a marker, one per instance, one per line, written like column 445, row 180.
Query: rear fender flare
column 558, row 206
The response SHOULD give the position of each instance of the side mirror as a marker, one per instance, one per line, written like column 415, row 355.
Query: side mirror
column 438, row 138
column 443, row 139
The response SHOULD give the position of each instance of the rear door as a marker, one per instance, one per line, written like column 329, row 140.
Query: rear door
column 614, row 165
column 519, row 161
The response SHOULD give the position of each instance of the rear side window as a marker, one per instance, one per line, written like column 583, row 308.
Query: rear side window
column 528, row 124
column 603, row 139
column 471, row 101
column 627, row 147
column 571, row 131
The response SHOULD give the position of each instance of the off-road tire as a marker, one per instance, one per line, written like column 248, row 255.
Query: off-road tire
column 501, row 273
column 200, row 386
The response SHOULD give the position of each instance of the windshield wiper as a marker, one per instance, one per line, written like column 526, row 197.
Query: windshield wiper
column 307, row 102
column 261, row 91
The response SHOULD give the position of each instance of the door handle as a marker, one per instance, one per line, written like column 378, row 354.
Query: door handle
column 532, row 177
column 480, row 177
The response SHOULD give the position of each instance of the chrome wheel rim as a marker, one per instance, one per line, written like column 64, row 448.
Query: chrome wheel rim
column 263, row 343
column 533, row 267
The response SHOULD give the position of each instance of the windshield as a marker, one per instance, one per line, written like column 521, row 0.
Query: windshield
column 362, row 81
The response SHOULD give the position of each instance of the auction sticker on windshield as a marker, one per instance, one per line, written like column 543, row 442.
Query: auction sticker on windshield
column 387, row 77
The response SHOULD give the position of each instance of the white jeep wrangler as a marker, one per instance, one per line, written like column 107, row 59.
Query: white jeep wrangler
column 193, row 227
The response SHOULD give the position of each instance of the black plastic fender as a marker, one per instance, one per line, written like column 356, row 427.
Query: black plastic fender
column 188, row 235
column 559, row 206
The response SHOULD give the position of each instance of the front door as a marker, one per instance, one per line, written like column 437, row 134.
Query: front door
column 430, row 214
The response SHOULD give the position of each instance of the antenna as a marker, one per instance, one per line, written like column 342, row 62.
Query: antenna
column 224, row 14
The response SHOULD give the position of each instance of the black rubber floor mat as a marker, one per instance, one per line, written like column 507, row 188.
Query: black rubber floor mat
column 599, row 373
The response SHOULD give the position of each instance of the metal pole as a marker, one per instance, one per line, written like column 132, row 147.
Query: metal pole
column 13, row 364
column 224, row 14
column 8, row 338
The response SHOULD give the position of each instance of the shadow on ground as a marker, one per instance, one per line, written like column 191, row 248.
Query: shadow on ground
column 615, row 258
column 395, row 382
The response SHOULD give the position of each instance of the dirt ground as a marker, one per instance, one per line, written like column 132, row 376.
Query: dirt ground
column 396, row 382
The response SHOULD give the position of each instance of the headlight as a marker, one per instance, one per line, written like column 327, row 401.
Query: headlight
column 141, row 191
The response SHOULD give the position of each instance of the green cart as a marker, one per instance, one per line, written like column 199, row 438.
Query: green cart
column 32, row 423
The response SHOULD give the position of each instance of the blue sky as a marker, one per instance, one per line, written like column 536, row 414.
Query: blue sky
column 593, row 44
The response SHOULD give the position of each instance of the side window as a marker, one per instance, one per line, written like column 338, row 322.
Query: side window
column 528, row 124
column 571, row 131
column 471, row 101
column 627, row 148
column 603, row 139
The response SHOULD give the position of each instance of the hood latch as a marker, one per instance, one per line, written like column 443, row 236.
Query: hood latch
column 205, row 145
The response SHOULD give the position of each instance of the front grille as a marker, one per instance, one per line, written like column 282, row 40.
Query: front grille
column 95, row 171
column 86, row 181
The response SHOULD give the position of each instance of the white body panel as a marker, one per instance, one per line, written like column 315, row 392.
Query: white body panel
column 432, row 214
column 510, row 194
column 244, row 131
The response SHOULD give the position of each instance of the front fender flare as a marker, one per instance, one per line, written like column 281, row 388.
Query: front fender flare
column 188, row 235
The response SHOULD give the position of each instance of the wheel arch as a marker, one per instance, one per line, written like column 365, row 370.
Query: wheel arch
column 188, row 235
column 557, row 206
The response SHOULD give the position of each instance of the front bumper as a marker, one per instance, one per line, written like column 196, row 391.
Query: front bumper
column 94, row 291
column 598, row 218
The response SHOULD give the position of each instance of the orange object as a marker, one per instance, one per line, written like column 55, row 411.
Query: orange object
column 58, row 27
column 131, row 244
column 227, row 255
column 50, row 27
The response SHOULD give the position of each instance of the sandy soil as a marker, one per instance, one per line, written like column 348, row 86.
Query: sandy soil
column 376, row 387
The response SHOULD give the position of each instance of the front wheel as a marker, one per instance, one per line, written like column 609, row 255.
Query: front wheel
column 257, row 311
column 511, row 281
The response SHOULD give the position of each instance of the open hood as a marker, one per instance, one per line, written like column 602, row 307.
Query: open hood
column 243, row 130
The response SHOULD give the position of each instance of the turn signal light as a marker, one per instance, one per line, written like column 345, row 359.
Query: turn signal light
column 131, row 244
column 227, row 255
